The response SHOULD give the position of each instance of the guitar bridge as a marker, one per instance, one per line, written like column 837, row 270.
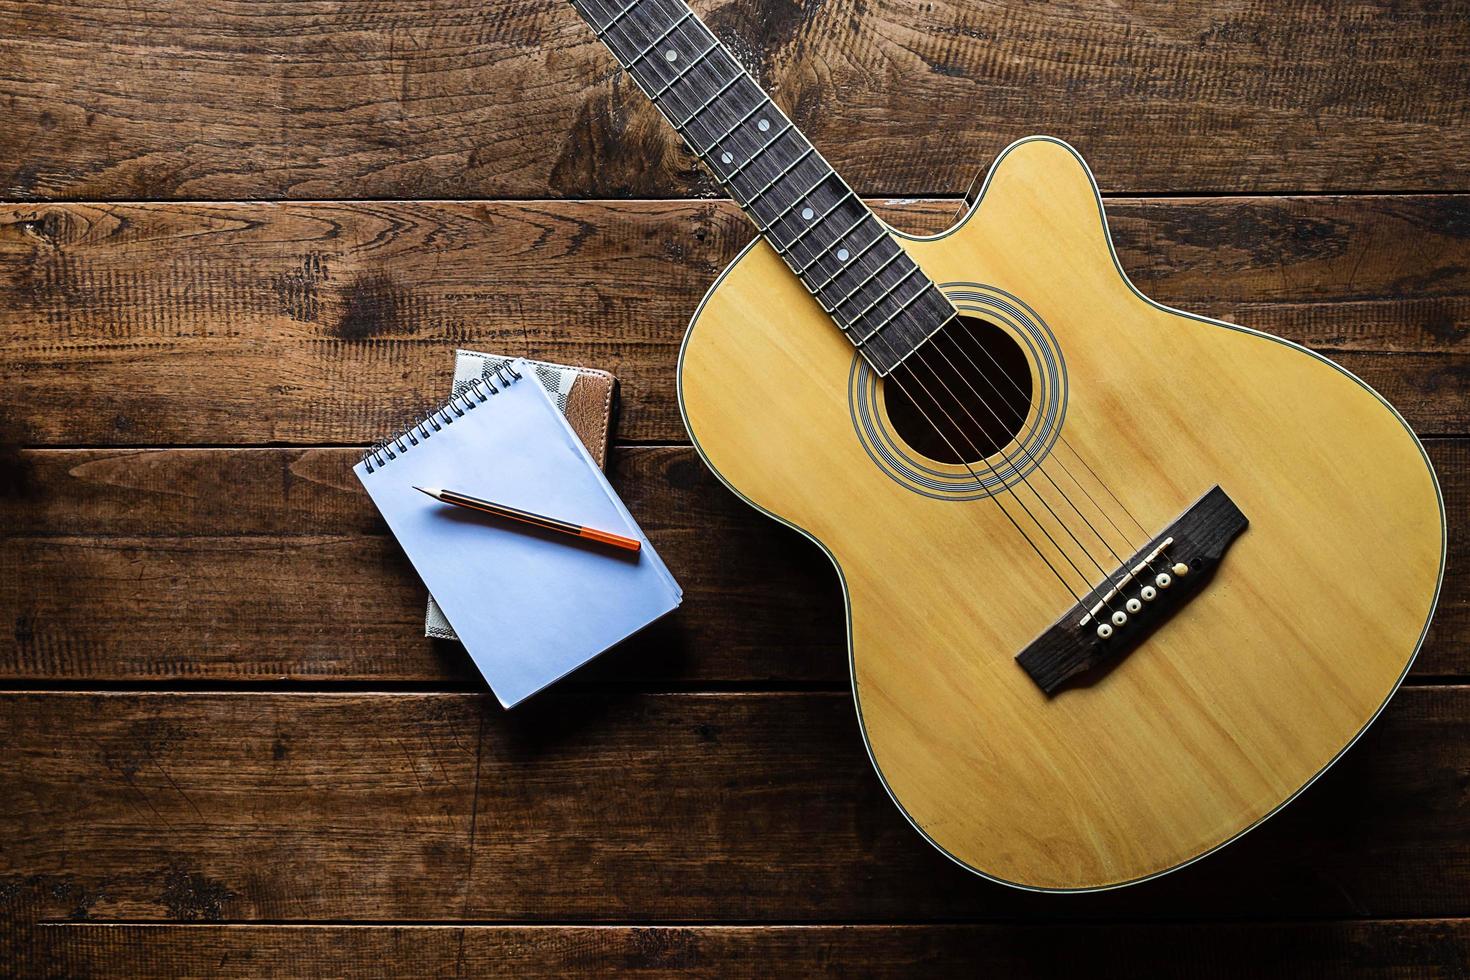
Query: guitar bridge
column 1138, row 596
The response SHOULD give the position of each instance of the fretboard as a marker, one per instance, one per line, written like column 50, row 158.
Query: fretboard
column 849, row 262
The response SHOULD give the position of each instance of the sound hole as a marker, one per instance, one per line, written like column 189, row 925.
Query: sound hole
column 963, row 395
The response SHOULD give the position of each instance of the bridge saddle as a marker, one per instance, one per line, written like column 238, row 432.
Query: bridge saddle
column 1140, row 594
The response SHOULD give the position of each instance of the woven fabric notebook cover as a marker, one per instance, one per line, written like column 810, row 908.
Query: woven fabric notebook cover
column 583, row 395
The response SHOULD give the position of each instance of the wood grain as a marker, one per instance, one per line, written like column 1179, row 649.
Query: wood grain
column 330, row 322
column 1241, row 698
column 258, row 564
column 264, row 564
column 401, row 98
column 754, row 808
column 298, row 326
column 1350, row 950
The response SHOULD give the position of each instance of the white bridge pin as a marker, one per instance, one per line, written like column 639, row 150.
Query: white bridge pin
column 1148, row 592
column 1181, row 569
column 1133, row 605
column 1119, row 618
column 1163, row 581
column 1104, row 631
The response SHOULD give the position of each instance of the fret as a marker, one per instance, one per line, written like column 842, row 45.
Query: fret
column 708, row 102
column 907, row 328
column 785, row 250
column 816, row 222
column 896, row 313
column 803, row 196
column 632, row 75
column 685, row 35
column 871, row 276
column 883, row 288
column 737, row 124
column 851, row 262
column 885, row 294
column 780, row 176
column 620, row 45
column 782, row 231
column 684, row 49
column 791, row 214
column 656, row 41
column 782, row 226
column 721, row 121
column 814, row 247
column 850, row 229
column 708, row 73
column 912, row 342
column 600, row 31
column 693, row 64
column 756, row 188
column 758, row 152
column 937, row 299
column 852, row 270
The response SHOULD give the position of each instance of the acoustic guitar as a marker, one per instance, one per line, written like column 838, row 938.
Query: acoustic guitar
column 1121, row 580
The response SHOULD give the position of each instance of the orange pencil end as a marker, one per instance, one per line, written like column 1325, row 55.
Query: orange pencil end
column 616, row 540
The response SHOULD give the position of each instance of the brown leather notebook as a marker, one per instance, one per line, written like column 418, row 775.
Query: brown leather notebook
column 584, row 395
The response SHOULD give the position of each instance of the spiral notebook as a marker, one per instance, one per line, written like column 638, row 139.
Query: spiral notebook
column 583, row 395
column 529, row 606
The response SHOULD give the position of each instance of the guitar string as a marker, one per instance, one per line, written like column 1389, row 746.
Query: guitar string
column 1121, row 506
column 645, row 48
column 642, row 38
column 1021, row 418
column 979, row 482
column 1062, row 437
column 1088, row 589
column 1016, row 410
column 1148, row 560
column 1024, row 480
column 967, row 205
column 1029, row 455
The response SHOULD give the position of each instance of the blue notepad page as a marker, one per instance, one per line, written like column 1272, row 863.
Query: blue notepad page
column 529, row 605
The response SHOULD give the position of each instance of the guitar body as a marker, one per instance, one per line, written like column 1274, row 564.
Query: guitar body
column 1221, row 715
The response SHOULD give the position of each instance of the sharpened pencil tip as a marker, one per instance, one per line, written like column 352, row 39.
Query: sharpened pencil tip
column 433, row 491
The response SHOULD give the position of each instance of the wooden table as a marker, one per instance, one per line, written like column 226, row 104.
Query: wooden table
column 243, row 239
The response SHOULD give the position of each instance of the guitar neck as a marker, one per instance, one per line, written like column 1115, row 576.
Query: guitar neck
column 844, row 255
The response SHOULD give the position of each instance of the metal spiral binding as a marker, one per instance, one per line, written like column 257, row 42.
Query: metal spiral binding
column 420, row 427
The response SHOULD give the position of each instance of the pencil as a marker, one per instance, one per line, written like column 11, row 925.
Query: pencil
column 526, row 517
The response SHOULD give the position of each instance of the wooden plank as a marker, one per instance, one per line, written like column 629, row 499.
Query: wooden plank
column 1433, row 948
column 262, row 564
column 247, row 565
column 331, row 322
column 404, row 98
column 620, row 808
